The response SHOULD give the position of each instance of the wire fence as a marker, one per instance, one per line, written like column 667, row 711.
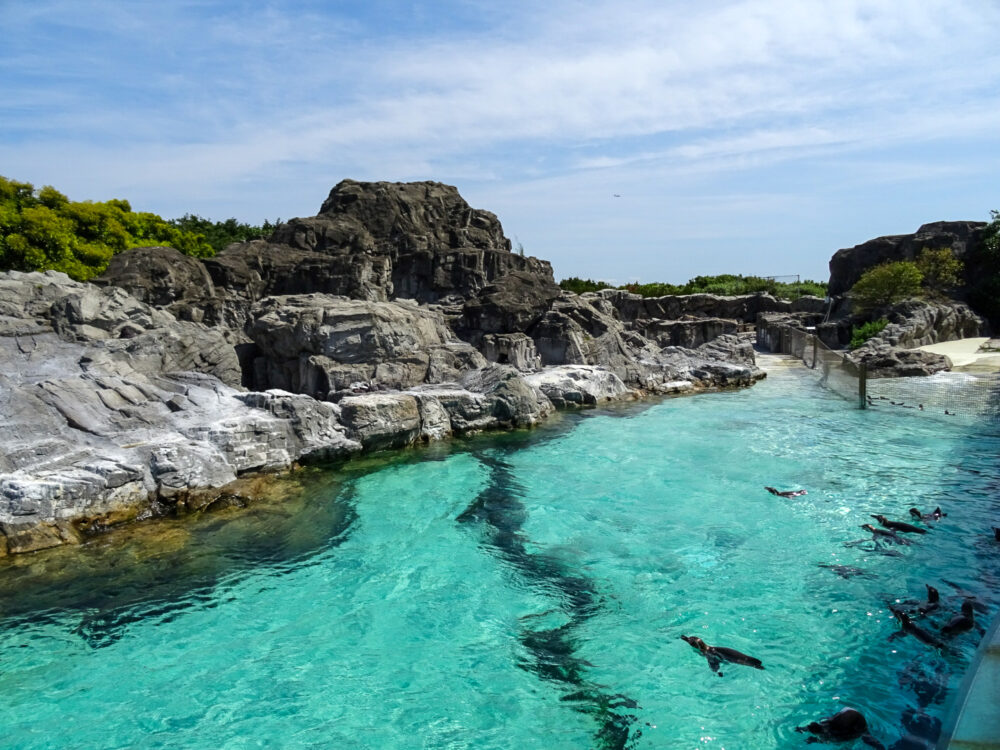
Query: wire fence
column 949, row 394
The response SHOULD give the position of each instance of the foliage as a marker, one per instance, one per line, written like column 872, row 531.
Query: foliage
column 579, row 286
column 219, row 234
column 983, row 264
column 860, row 334
column 43, row 229
column 725, row 285
column 886, row 284
column 941, row 269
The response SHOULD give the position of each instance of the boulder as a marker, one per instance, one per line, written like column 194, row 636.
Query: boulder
column 164, row 278
column 579, row 385
column 886, row 361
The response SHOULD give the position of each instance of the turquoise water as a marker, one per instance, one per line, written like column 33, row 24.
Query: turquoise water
column 528, row 591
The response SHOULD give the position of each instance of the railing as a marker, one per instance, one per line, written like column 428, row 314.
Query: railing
column 947, row 394
column 837, row 372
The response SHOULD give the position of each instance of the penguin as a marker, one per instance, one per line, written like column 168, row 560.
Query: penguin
column 908, row 627
column 962, row 622
column 845, row 725
column 889, row 536
column 906, row 528
column 786, row 493
column 847, row 571
column 717, row 654
column 935, row 515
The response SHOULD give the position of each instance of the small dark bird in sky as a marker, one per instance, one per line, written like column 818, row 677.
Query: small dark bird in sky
column 617, row 195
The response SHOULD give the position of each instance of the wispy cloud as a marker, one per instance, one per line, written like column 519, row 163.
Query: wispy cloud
column 203, row 99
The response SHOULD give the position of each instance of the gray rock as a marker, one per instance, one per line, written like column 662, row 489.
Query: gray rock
column 847, row 265
column 320, row 344
column 515, row 349
column 579, row 385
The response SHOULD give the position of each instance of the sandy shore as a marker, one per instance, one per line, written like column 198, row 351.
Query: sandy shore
column 965, row 354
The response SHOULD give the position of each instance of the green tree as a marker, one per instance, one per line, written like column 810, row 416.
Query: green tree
column 886, row 284
column 941, row 269
column 43, row 229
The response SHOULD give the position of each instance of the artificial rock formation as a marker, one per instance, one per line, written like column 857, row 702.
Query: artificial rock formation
column 847, row 265
column 398, row 314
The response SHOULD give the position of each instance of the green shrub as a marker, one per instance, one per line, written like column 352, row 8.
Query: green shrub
column 941, row 269
column 219, row 234
column 860, row 334
column 885, row 285
column 579, row 286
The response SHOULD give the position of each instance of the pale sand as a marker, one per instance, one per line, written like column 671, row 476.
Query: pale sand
column 965, row 353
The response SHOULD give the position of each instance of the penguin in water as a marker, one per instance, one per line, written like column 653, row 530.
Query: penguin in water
column 906, row 528
column 933, row 600
column 717, row 654
column 847, row 571
column 885, row 534
column 935, row 515
column 924, row 608
column 961, row 622
column 845, row 725
column 908, row 627
column 786, row 493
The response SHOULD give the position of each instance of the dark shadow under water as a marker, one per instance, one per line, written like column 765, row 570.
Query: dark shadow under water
column 499, row 514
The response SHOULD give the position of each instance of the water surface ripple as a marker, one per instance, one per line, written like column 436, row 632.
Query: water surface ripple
column 529, row 590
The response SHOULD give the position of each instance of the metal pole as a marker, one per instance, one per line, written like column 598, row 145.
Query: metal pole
column 815, row 345
column 863, row 385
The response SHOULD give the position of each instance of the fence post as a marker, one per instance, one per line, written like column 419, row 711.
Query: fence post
column 863, row 385
column 815, row 345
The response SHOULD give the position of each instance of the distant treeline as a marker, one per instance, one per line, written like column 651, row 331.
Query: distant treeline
column 43, row 229
column 725, row 285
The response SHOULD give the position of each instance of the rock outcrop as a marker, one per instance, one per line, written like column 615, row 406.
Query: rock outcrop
column 396, row 315
column 847, row 265
column 324, row 345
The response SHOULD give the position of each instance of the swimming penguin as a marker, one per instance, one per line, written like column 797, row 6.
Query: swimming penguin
column 885, row 534
column 960, row 623
column 906, row 528
column 786, row 493
column 847, row 571
column 924, row 608
column 935, row 515
column 996, row 533
column 845, row 725
column 717, row 654
column 908, row 627
column 933, row 600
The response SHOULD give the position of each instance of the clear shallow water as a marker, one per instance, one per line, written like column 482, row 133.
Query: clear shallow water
column 528, row 591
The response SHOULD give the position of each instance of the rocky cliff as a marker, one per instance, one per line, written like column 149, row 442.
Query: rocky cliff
column 847, row 265
column 398, row 314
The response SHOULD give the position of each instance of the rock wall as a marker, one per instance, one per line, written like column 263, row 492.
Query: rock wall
column 847, row 265
column 396, row 315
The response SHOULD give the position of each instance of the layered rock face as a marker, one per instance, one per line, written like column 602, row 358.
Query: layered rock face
column 396, row 315
column 847, row 265
column 435, row 245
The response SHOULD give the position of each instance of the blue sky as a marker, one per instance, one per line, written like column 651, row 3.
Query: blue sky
column 741, row 136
